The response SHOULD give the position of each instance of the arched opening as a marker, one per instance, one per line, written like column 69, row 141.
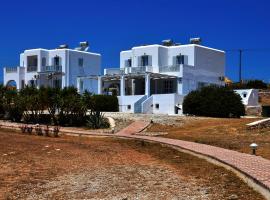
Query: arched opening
column 11, row 84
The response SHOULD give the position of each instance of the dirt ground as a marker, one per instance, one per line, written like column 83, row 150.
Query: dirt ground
column 36, row 167
column 225, row 133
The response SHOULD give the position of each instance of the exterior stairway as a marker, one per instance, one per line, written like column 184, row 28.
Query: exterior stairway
column 138, row 104
column 147, row 105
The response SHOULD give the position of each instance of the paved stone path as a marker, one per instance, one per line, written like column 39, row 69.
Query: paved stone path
column 255, row 167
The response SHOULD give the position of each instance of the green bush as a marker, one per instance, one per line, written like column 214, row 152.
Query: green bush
column 13, row 105
column 266, row 111
column 55, row 106
column 2, row 96
column 250, row 84
column 213, row 101
column 97, row 120
column 105, row 103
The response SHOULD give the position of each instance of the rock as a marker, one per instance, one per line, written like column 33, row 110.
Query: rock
column 233, row 197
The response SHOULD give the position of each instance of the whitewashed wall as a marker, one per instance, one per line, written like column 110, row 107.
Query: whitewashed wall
column 250, row 97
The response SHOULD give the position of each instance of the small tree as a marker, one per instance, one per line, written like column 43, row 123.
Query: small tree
column 72, row 110
column 250, row 84
column 51, row 98
column 13, row 105
column 3, row 90
column 214, row 101
column 34, row 103
column 256, row 84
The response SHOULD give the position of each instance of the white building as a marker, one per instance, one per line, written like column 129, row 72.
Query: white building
column 55, row 68
column 250, row 97
column 155, row 78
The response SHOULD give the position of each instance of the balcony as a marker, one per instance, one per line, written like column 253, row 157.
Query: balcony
column 52, row 68
column 11, row 69
column 171, row 68
column 140, row 69
column 114, row 71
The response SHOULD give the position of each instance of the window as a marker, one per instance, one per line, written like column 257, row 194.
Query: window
column 157, row 106
column 32, row 63
column 168, row 86
column 244, row 94
column 43, row 62
column 128, row 63
column 180, row 59
column 80, row 62
column 32, row 83
column 57, row 83
column 129, row 107
column 57, row 61
column 144, row 61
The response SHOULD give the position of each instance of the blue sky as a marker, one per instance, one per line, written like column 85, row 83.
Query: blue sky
column 112, row 26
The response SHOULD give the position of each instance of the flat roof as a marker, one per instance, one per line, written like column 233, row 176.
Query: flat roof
column 73, row 50
column 170, row 47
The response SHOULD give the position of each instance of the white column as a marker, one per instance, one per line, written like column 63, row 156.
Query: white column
column 147, row 85
column 179, row 85
column 122, row 86
column 99, row 85
column 132, row 86
column 79, row 85
column 156, row 86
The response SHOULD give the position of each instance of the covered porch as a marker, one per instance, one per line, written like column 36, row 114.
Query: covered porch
column 138, row 84
column 140, row 92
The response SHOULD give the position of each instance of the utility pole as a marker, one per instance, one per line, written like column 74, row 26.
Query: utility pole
column 240, row 65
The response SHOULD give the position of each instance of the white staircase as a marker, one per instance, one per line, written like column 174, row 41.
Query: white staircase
column 138, row 104
column 147, row 105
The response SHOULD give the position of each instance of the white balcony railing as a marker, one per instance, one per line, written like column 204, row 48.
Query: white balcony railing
column 52, row 68
column 141, row 69
column 11, row 69
column 171, row 68
column 113, row 71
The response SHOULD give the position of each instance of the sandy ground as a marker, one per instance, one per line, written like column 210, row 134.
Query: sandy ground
column 36, row 167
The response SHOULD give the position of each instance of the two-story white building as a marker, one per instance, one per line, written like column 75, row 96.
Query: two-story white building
column 58, row 67
column 150, row 79
column 155, row 78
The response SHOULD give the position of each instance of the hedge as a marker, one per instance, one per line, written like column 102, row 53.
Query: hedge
column 213, row 101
